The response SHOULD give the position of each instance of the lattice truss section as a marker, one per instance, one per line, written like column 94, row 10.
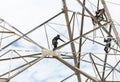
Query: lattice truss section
column 85, row 36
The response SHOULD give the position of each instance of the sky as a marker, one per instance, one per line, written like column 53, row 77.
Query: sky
column 26, row 15
column 19, row 12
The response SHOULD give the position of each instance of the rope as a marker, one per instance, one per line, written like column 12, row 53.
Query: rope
column 98, row 5
column 77, row 23
column 102, row 33
column 61, row 33
column 57, row 24
column 73, row 25
column 10, row 63
column 91, row 4
column 56, row 31
column 1, row 39
column 47, row 37
column 94, row 33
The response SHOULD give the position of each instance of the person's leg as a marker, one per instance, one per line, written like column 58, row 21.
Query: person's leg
column 106, row 49
column 55, row 45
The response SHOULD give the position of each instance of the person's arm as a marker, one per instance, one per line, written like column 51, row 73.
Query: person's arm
column 61, row 40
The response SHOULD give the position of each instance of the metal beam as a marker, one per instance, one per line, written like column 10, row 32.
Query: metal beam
column 69, row 30
column 32, row 31
column 70, row 36
column 110, row 18
column 67, row 77
column 104, row 66
column 76, row 69
column 81, row 33
column 95, row 65
column 5, row 32
column 44, row 54
column 112, row 69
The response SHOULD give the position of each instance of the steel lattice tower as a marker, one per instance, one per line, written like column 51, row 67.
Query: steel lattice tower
column 84, row 45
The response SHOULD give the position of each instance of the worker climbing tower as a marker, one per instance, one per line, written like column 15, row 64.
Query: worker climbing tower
column 91, row 49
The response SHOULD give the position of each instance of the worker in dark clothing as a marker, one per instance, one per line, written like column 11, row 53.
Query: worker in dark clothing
column 99, row 15
column 54, row 41
column 108, row 44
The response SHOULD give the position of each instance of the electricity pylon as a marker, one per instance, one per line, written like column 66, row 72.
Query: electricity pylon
column 84, row 34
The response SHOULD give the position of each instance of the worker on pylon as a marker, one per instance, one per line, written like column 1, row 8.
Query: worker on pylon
column 54, row 41
column 99, row 15
column 108, row 44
